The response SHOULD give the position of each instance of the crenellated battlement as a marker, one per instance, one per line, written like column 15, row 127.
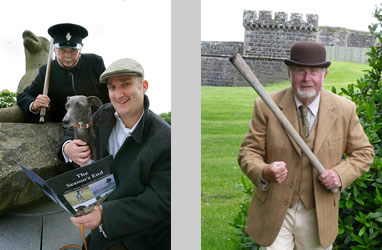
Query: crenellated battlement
column 267, row 43
column 264, row 19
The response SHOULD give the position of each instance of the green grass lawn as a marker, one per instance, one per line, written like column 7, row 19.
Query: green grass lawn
column 225, row 114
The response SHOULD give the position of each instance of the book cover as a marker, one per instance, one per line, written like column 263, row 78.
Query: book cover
column 79, row 190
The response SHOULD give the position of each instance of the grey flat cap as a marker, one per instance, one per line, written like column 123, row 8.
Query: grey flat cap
column 124, row 66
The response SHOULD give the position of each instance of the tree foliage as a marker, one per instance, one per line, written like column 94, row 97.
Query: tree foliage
column 7, row 98
column 166, row 117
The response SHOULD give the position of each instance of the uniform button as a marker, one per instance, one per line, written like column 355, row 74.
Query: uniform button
column 290, row 184
column 286, row 203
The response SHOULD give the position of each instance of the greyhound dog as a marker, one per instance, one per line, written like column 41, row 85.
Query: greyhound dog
column 79, row 196
column 79, row 116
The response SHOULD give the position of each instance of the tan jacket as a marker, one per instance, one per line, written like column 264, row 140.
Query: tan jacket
column 338, row 132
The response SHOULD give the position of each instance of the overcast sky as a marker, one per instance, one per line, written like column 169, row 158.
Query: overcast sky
column 222, row 20
column 142, row 30
column 117, row 29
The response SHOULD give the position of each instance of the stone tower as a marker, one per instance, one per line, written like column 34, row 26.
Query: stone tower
column 267, row 37
column 267, row 43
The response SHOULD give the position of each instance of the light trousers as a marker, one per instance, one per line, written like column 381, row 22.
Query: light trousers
column 299, row 231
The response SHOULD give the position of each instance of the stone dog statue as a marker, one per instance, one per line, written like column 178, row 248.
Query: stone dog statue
column 33, row 145
column 36, row 54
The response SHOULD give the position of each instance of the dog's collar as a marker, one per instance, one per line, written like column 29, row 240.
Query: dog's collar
column 86, row 125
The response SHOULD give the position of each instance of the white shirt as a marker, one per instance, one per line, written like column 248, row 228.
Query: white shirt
column 312, row 110
column 119, row 134
column 117, row 137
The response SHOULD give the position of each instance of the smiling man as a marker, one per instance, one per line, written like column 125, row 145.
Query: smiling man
column 292, row 207
column 137, row 214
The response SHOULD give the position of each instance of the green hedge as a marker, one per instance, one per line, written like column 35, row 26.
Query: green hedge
column 360, row 222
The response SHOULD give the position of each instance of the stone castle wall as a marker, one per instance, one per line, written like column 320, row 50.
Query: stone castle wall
column 272, row 37
column 216, row 68
column 341, row 37
column 267, row 43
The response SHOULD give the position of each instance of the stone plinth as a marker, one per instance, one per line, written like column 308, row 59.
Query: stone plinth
column 33, row 145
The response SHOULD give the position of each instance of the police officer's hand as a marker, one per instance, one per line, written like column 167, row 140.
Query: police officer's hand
column 275, row 172
column 330, row 179
column 78, row 151
column 39, row 102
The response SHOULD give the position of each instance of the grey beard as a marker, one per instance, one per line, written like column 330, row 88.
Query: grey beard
column 306, row 94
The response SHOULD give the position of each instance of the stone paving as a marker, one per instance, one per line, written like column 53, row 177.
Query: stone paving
column 45, row 226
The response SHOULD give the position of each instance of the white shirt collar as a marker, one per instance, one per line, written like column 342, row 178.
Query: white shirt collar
column 119, row 134
column 121, row 126
column 313, row 107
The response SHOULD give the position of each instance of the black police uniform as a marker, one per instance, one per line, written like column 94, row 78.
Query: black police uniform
column 82, row 79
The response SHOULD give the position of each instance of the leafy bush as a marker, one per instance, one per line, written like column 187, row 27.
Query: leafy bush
column 166, row 117
column 7, row 98
column 239, row 222
column 360, row 220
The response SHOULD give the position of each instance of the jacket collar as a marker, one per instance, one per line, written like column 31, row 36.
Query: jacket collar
column 138, row 131
column 325, row 119
column 287, row 106
column 327, row 115
column 108, row 121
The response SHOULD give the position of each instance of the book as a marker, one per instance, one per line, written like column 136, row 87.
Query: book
column 79, row 190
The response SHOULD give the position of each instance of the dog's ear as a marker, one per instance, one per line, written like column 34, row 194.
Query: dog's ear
column 93, row 100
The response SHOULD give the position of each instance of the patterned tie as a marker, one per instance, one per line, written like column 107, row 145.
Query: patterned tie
column 304, row 118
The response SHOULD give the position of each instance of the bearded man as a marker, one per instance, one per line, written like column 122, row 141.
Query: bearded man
column 292, row 206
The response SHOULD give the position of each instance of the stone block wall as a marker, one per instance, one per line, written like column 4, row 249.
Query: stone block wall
column 359, row 39
column 267, row 44
column 341, row 37
column 221, row 48
column 273, row 37
column 267, row 70
column 216, row 69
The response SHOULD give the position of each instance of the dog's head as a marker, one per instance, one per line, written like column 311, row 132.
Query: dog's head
column 78, row 108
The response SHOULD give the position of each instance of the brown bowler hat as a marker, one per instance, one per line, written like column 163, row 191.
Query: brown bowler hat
column 307, row 54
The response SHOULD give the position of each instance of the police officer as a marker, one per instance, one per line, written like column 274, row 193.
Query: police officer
column 72, row 73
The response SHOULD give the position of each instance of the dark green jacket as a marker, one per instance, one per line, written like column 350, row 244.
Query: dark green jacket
column 138, row 211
